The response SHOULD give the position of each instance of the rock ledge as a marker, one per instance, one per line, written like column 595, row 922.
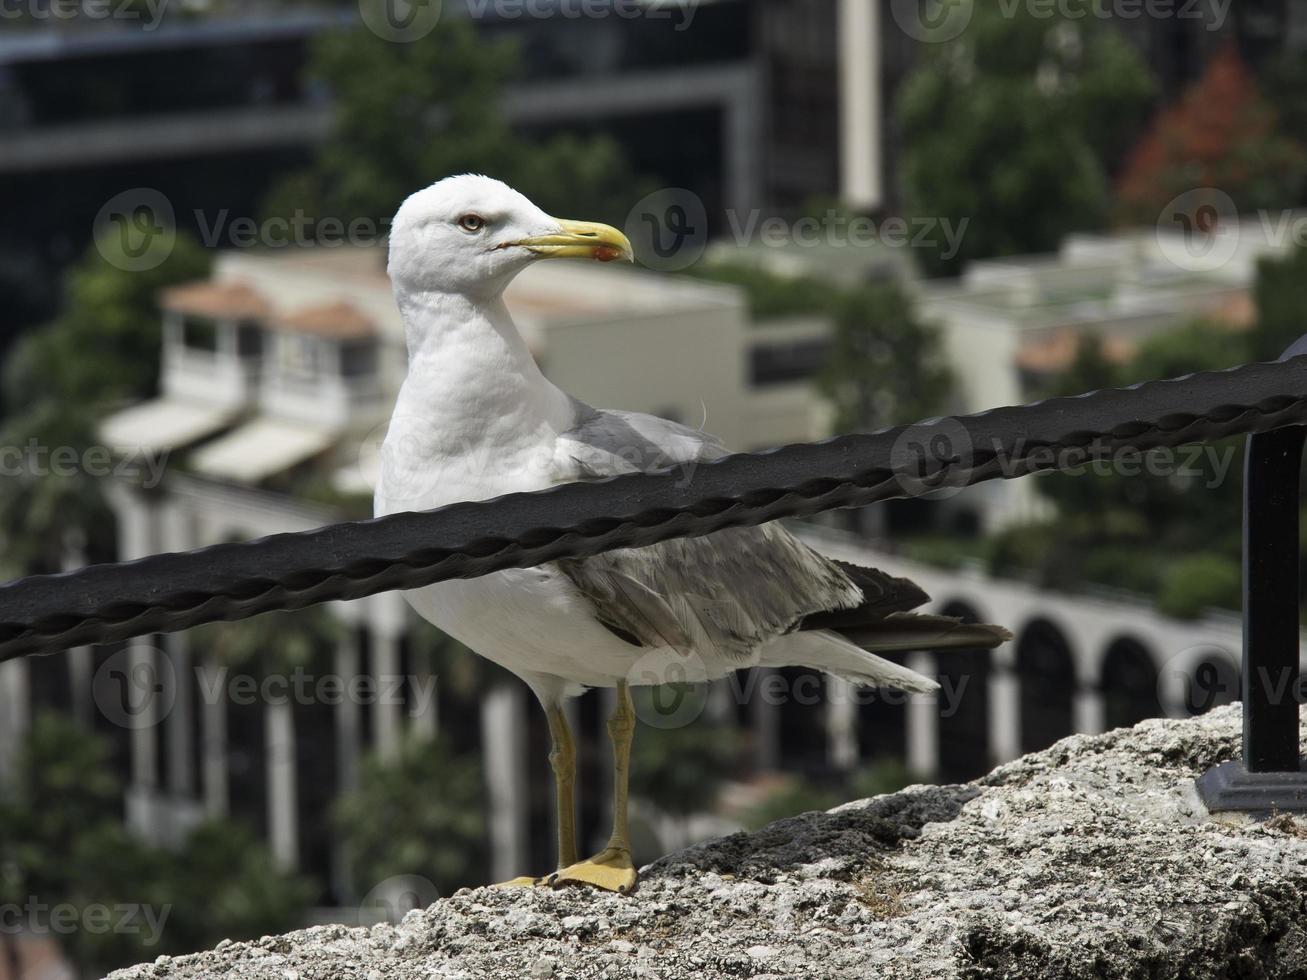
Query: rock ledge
column 1092, row 859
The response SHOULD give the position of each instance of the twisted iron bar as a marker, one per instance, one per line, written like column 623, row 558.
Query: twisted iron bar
column 163, row 593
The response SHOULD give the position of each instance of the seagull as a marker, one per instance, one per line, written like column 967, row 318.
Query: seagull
column 476, row 418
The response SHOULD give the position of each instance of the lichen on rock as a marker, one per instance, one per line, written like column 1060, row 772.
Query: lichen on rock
column 1091, row 859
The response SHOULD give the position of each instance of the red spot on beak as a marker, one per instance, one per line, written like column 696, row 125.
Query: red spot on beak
column 606, row 253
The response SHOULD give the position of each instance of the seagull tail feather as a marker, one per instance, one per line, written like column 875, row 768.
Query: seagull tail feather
column 851, row 654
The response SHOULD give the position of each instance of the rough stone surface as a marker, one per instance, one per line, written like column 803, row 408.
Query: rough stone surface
column 1091, row 859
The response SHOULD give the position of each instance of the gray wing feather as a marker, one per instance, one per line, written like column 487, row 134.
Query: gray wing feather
column 727, row 592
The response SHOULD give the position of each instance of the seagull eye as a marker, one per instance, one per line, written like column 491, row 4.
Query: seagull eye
column 472, row 223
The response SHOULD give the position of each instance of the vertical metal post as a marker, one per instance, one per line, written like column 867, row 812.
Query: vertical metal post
column 1270, row 600
column 1270, row 775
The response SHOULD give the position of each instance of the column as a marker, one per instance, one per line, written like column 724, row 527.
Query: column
column 213, row 740
column 923, row 722
column 180, row 723
column 143, row 668
column 1087, row 709
column 15, row 716
column 349, row 736
column 765, row 711
column 503, row 737
column 424, row 704
column 283, row 802
column 1005, row 712
column 349, row 722
column 387, row 619
column 841, row 723
column 860, row 104
column 81, row 660
column 177, row 534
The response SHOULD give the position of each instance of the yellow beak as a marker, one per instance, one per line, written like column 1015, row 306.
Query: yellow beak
column 582, row 240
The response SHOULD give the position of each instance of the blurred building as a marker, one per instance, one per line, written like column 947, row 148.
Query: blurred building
column 738, row 99
column 1009, row 326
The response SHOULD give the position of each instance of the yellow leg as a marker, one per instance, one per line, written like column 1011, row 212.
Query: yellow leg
column 611, row 869
column 562, row 758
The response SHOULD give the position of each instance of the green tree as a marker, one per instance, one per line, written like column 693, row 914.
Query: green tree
column 277, row 642
column 1280, row 293
column 418, row 815
column 62, row 843
column 680, row 768
column 1016, row 125
column 885, row 364
column 58, row 382
column 105, row 344
column 1173, row 534
column 1222, row 134
column 407, row 115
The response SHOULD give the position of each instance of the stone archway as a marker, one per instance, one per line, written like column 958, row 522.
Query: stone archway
column 1046, row 674
column 1128, row 682
column 964, row 708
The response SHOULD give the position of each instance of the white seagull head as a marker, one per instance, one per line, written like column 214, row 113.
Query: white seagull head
column 471, row 235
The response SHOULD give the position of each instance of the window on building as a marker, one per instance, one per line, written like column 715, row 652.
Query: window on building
column 200, row 333
column 300, row 356
column 249, row 339
column 358, row 359
column 783, row 363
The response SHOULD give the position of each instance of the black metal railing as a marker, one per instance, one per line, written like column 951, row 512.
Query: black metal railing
column 163, row 593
